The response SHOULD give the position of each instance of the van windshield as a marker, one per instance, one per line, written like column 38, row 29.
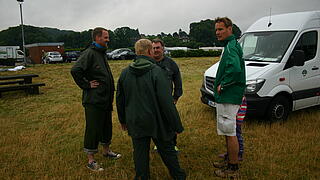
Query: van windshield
column 266, row 46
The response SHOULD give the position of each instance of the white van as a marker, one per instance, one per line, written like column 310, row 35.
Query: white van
column 282, row 58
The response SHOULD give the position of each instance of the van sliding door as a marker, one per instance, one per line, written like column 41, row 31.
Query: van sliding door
column 305, row 80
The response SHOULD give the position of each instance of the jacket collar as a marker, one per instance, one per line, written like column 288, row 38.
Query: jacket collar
column 102, row 50
column 141, row 65
column 230, row 38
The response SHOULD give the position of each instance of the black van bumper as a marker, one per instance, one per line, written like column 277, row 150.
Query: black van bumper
column 256, row 105
column 207, row 98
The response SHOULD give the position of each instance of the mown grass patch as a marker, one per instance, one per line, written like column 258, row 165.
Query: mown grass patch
column 41, row 135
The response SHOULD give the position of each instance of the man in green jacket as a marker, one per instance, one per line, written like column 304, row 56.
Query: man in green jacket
column 146, row 109
column 93, row 75
column 229, row 88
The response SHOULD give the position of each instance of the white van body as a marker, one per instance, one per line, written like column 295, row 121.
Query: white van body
column 282, row 58
column 11, row 52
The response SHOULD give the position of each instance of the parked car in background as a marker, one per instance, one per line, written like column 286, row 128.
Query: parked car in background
column 52, row 57
column 122, row 53
column 71, row 56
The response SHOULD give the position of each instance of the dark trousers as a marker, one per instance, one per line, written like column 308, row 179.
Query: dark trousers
column 175, row 139
column 240, row 140
column 168, row 155
column 98, row 128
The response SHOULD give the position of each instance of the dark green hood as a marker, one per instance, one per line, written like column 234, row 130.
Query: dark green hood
column 142, row 65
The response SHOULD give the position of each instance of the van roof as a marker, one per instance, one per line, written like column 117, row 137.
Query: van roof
column 292, row 21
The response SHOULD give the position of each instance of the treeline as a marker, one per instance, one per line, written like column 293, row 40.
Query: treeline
column 201, row 34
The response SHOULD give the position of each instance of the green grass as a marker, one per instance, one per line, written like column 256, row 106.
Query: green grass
column 41, row 136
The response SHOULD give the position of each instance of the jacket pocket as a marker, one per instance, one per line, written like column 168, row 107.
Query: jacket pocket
column 96, row 95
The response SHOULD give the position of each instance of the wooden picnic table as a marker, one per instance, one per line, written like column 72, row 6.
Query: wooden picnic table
column 27, row 77
column 23, row 81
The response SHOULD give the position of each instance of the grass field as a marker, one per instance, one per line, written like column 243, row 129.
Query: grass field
column 41, row 136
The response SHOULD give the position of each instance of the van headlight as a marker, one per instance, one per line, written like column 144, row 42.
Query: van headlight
column 254, row 86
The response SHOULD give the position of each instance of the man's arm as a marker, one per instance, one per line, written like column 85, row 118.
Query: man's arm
column 177, row 82
column 165, row 100
column 232, row 70
column 78, row 72
column 120, row 102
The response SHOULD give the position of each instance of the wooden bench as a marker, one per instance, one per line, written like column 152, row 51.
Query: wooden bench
column 20, row 82
column 12, row 82
column 27, row 77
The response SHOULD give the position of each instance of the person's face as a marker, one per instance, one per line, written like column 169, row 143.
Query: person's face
column 151, row 53
column 103, row 39
column 222, row 32
column 158, row 50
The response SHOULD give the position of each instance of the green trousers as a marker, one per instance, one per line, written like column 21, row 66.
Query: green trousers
column 168, row 155
column 98, row 128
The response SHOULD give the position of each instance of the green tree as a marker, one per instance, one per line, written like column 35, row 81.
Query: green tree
column 125, row 37
column 204, row 32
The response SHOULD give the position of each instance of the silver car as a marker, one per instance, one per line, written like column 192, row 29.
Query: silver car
column 52, row 57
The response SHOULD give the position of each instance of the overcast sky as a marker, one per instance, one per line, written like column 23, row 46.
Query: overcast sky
column 149, row 16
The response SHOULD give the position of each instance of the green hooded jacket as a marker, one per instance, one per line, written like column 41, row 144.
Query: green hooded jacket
column 231, row 74
column 92, row 65
column 144, row 101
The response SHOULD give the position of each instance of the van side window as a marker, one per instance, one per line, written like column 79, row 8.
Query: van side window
column 308, row 43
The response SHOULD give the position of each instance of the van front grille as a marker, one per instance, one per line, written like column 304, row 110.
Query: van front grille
column 209, row 82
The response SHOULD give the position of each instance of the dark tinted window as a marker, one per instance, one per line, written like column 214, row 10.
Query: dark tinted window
column 308, row 43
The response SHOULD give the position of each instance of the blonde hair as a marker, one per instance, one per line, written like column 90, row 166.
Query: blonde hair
column 142, row 46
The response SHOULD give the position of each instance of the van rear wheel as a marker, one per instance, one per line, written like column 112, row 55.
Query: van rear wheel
column 279, row 109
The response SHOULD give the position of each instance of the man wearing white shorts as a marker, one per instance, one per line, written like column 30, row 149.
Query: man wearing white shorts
column 229, row 88
column 226, row 119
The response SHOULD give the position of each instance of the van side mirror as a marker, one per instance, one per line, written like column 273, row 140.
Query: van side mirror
column 297, row 57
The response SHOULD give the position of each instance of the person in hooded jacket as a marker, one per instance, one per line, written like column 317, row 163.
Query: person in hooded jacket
column 146, row 109
column 92, row 74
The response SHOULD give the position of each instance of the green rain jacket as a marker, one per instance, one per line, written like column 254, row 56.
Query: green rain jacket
column 231, row 74
column 92, row 65
column 144, row 101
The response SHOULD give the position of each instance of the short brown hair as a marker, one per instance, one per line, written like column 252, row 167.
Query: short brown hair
column 97, row 32
column 157, row 40
column 142, row 46
column 227, row 22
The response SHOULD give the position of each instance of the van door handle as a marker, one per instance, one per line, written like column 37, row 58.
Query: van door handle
column 315, row 68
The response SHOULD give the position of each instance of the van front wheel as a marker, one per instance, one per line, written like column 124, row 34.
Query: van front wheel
column 279, row 109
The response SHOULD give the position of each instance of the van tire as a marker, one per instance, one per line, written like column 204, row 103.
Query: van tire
column 279, row 109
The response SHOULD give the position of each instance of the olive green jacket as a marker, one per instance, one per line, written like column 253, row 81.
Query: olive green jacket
column 144, row 101
column 231, row 74
column 92, row 65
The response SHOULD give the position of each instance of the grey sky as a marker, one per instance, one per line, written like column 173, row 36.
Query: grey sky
column 149, row 16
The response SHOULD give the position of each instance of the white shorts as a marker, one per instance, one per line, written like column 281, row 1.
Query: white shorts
column 226, row 119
